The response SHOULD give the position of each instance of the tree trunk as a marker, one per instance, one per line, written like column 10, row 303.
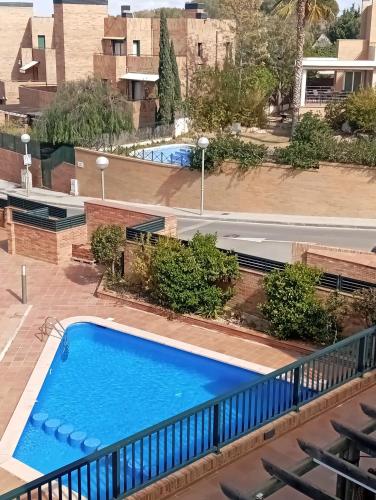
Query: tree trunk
column 298, row 72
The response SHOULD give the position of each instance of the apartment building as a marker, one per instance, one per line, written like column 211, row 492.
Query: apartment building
column 81, row 40
column 354, row 66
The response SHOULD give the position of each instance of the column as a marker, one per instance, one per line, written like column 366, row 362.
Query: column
column 303, row 87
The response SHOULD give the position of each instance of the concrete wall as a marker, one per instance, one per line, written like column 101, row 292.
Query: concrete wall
column 267, row 189
column 353, row 49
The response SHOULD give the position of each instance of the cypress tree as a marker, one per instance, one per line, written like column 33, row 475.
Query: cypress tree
column 166, row 76
column 175, row 71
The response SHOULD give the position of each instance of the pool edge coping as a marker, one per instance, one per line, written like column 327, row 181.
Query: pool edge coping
column 20, row 416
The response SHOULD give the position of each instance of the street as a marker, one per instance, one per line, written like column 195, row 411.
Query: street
column 273, row 241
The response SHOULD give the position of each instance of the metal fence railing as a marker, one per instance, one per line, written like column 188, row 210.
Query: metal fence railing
column 145, row 457
column 327, row 280
column 181, row 158
column 34, row 213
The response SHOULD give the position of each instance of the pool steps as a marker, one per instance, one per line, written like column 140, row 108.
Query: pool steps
column 64, row 432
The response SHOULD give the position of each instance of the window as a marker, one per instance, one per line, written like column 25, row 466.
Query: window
column 117, row 48
column 228, row 49
column 353, row 80
column 41, row 42
column 200, row 50
column 136, row 48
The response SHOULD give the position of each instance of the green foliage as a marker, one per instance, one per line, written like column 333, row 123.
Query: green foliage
column 364, row 304
column 107, row 245
column 195, row 278
column 227, row 147
column 360, row 110
column 175, row 72
column 222, row 97
column 335, row 114
column 84, row 113
column 298, row 155
column 293, row 309
column 328, row 51
column 347, row 25
column 166, row 85
column 311, row 129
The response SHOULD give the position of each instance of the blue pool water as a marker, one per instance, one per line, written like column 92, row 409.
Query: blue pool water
column 173, row 154
column 110, row 385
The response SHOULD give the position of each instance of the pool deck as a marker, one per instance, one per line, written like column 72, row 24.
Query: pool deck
column 65, row 291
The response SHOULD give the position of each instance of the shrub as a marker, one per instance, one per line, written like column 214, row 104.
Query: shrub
column 298, row 155
column 194, row 278
column 311, row 129
column 227, row 147
column 360, row 110
column 106, row 245
column 364, row 303
column 335, row 114
column 293, row 309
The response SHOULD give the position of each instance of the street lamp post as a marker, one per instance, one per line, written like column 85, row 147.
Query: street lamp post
column 25, row 139
column 202, row 143
column 102, row 163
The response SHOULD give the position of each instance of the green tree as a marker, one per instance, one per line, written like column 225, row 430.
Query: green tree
column 221, row 97
column 84, row 113
column 107, row 244
column 170, row 12
column 175, row 71
column 364, row 304
column 306, row 11
column 347, row 25
column 166, row 86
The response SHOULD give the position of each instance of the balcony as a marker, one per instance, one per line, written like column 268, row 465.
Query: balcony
column 109, row 67
column 322, row 95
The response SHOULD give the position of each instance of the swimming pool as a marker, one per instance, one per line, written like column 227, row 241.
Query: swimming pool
column 109, row 385
column 171, row 154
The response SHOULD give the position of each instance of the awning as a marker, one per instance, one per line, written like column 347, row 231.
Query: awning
column 141, row 77
column 121, row 38
column 337, row 64
column 27, row 66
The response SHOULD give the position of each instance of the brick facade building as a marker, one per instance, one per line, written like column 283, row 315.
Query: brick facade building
column 80, row 40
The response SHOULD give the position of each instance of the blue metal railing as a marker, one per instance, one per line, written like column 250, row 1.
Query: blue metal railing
column 129, row 465
column 327, row 280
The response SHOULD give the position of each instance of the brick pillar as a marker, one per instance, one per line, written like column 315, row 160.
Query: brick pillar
column 11, row 238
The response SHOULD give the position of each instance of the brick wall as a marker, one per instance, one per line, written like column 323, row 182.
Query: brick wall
column 356, row 264
column 35, row 97
column 61, row 177
column 44, row 245
column 2, row 218
column 102, row 212
column 11, row 164
column 323, row 192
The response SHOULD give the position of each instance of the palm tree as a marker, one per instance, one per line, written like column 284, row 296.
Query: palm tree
column 307, row 11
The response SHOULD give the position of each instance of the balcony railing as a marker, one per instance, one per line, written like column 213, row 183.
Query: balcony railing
column 323, row 95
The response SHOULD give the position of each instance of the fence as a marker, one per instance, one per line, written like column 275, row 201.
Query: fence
column 327, row 280
column 50, row 155
column 181, row 157
column 157, row 131
column 145, row 457
column 39, row 214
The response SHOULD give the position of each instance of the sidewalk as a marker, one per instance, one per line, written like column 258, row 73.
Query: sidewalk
column 77, row 202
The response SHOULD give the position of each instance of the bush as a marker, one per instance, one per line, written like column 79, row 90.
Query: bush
column 360, row 110
column 311, row 129
column 195, row 278
column 335, row 114
column 298, row 155
column 292, row 308
column 364, row 303
column 107, row 244
column 227, row 147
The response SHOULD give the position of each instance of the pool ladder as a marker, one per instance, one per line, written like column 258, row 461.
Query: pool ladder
column 52, row 326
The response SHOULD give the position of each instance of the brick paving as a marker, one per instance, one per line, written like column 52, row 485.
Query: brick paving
column 68, row 290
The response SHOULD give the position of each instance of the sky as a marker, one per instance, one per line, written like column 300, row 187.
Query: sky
column 44, row 7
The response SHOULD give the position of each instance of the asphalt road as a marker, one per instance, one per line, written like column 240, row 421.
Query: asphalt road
column 273, row 241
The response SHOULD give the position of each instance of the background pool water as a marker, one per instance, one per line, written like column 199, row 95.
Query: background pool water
column 173, row 154
column 111, row 385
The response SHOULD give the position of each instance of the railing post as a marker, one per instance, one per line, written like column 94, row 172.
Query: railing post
column 115, row 474
column 216, row 436
column 296, row 387
column 360, row 366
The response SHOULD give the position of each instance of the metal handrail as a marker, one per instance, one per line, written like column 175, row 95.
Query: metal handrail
column 223, row 419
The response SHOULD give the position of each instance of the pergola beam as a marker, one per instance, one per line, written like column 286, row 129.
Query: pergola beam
column 340, row 466
column 296, row 482
column 364, row 443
